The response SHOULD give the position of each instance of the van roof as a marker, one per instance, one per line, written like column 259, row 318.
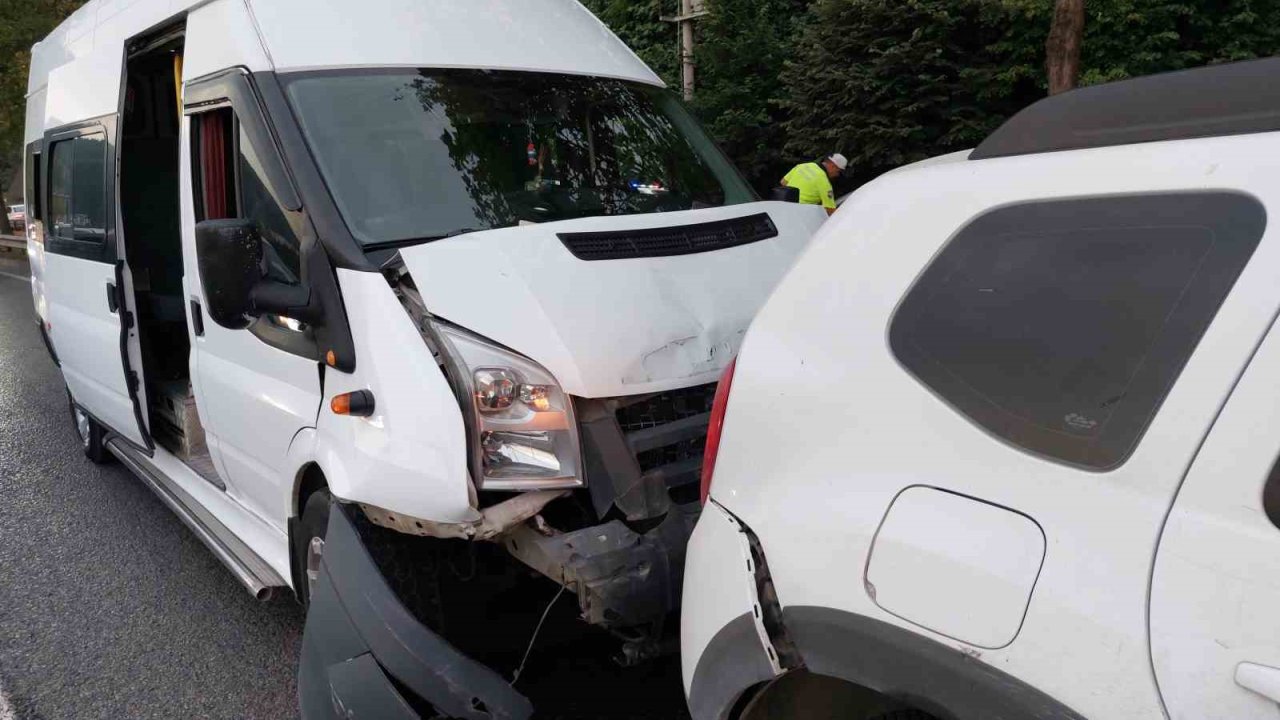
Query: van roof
column 559, row 36
column 1230, row 99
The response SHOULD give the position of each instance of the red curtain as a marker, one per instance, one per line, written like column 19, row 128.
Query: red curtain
column 213, row 164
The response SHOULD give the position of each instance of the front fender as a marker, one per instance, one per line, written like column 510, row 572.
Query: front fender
column 410, row 456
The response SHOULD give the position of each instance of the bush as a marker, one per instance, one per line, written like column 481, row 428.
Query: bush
column 889, row 82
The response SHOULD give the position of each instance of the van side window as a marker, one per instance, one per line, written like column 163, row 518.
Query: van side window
column 31, row 189
column 213, row 135
column 78, row 189
column 232, row 184
column 60, row 160
column 281, row 250
column 1060, row 327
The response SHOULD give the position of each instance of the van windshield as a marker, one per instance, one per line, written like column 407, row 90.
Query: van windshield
column 412, row 156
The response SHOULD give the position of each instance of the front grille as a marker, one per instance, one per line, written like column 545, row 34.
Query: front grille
column 668, row 431
column 666, row 242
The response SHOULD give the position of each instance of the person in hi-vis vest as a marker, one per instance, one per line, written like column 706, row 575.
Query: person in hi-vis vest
column 813, row 180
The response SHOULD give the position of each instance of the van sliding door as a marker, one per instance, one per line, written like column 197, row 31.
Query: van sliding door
column 84, row 277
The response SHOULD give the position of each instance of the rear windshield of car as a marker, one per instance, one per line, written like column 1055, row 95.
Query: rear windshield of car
column 1061, row 326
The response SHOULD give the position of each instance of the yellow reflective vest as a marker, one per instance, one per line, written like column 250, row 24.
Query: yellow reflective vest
column 814, row 185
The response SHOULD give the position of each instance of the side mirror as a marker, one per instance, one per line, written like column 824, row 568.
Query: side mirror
column 785, row 194
column 230, row 260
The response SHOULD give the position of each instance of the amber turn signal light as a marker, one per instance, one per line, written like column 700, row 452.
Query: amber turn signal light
column 357, row 404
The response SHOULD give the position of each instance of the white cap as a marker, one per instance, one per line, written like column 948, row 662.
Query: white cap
column 840, row 161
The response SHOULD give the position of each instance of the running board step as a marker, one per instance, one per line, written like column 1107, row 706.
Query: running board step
column 251, row 570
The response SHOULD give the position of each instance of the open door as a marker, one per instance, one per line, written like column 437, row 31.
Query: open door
column 85, row 274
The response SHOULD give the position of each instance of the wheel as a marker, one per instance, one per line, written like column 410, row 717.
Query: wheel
column 90, row 434
column 311, row 530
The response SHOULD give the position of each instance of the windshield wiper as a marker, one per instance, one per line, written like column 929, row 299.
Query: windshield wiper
column 407, row 242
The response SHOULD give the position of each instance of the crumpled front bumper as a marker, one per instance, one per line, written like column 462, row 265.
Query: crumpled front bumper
column 364, row 655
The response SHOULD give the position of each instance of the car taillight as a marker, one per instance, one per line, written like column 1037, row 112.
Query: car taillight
column 718, row 407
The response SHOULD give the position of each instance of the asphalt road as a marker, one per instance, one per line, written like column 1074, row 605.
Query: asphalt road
column 109, row 606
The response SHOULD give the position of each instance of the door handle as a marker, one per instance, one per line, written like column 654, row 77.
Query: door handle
column 1259, row 678
column 197, row 318
column 113, row 298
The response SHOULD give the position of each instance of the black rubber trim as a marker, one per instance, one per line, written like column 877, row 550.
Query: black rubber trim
column 1271, row 496
column 670, row 241
column 914, row 669
column 733, row 662
column 260, row 107
column 344, row 250
column 235, row 86
column 48, row 344
column 133, row 382
column 1230, row 99
column 354, row 613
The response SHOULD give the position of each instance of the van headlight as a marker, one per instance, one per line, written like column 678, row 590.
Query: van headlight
column 523, row 433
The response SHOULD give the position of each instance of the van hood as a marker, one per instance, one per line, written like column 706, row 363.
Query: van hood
column 608, row 328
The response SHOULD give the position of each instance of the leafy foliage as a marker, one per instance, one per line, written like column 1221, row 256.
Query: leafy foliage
column 888, row 82
column 639, row 24
column 22, row 24
column 741, row 48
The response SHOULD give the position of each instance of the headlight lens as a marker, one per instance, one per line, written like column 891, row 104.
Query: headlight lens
column 524, row 436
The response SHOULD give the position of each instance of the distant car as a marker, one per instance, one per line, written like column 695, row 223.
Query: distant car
column 18, row 217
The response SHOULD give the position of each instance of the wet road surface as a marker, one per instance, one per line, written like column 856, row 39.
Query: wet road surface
column 109, row 606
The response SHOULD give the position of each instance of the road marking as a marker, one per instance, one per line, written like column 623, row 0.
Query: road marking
column 23, row 279
column 6, row 710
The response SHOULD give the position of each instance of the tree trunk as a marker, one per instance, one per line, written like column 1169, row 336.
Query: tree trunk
column 1062, row 50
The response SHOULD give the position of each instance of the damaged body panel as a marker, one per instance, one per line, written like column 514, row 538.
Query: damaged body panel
column 622, row 578
column 355, row 617
column 612, row 328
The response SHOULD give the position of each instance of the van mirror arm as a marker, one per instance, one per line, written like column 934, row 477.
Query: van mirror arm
column 293, row 301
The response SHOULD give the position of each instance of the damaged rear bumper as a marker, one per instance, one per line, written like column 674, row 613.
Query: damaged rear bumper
column 364, row 655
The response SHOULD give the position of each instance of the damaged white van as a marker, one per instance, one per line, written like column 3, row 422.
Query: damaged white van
column 1004, row 443
column 415, row 310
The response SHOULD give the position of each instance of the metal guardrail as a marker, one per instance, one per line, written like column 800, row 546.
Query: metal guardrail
column 13, row 242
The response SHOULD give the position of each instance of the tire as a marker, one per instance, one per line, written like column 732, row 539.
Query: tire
column 312, row 528
column 90, row 434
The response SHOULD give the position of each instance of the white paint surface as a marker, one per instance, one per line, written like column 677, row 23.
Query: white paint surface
column 542, row 35
column 983, row 559
column 825, row 427
column 221, row 35
column 719, row 588
column 1264, row 681
column 411, row 455
column 613, row 327
column 86, row 336
column 1215, row 595
column 86, row 88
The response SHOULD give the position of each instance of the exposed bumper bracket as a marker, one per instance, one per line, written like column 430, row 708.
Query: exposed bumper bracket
column 622, row 578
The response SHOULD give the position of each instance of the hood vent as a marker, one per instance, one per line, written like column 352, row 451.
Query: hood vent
column 669, row 241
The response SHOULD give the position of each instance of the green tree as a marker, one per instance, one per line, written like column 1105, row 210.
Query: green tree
column 22, row 24
column 638, row 23
column 888, row 82
column 741, row 48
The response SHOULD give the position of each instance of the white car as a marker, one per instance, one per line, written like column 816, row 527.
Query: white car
column 17, row 217
column 1004, row 442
